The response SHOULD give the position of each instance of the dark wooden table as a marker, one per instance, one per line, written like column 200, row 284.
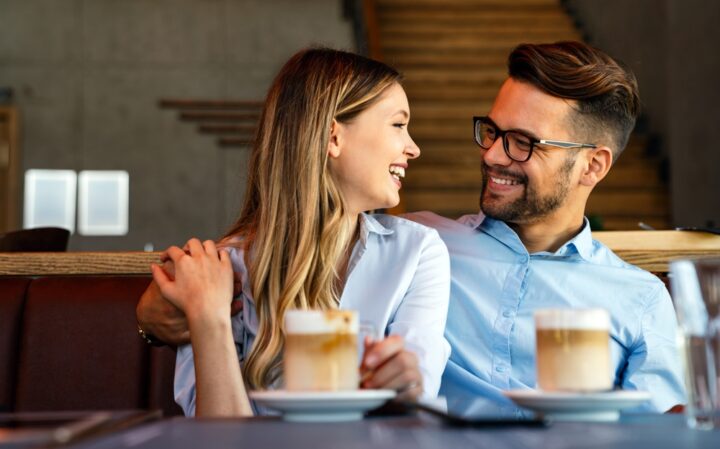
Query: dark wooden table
column 636, row 432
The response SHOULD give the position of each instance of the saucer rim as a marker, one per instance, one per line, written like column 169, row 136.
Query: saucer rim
column 619, row 395
column 360, row 394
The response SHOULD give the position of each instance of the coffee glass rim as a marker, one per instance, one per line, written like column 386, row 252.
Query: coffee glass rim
column 590, row 318
column 315, row 321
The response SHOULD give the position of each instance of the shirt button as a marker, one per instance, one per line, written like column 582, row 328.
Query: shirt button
column 500, row 369
column 507, row 313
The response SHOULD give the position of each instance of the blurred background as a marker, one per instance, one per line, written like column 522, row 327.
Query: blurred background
column 168, row 92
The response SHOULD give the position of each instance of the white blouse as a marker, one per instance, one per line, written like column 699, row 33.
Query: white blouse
column 398, row 281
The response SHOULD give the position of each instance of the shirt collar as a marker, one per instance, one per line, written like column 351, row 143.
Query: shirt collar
column 369, row 224
column 581, row 244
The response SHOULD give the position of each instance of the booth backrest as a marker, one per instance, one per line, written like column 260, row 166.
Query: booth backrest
column 71, row 343
column 12, row 299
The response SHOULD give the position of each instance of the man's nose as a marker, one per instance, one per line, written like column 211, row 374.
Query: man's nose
column 495, row 155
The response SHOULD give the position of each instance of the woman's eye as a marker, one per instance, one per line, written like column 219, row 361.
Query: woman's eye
column 400, row 125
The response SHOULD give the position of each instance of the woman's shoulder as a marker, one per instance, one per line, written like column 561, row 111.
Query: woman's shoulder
column 408, row 234
column 402, row 225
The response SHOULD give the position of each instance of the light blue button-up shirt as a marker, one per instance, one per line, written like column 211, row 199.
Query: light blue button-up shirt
column 399, row 282
column 496, row 285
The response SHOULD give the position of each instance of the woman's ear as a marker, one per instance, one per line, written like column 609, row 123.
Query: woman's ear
column 598, row 163
column 335, row 141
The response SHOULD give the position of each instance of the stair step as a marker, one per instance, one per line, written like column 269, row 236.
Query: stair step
column 442, row 154
column 651, row 202
column 455, row 75
column 518, row 33
column 499, row 5
column 462, row 42
column 639, row 176
column 618, row 223
column 403, row 61
column 452, row 19
column 450, row 204
column 420, row 91
column 448, row 177
column 462, row 111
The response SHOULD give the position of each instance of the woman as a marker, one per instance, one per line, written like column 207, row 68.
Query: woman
column 332, row 143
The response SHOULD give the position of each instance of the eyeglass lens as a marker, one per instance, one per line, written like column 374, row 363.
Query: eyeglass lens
column 516, row 145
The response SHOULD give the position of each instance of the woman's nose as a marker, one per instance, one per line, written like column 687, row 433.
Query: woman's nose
column 412, row 150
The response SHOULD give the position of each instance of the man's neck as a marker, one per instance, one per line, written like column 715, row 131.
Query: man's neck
column 548, row 234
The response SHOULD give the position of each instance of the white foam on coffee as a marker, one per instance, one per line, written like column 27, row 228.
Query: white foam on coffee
column 582, row 319
column 320, row 322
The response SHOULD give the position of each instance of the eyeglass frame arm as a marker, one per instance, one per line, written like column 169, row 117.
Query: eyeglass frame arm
column 563, row 144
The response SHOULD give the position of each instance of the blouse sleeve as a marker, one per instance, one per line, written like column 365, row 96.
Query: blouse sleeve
column 422, row 314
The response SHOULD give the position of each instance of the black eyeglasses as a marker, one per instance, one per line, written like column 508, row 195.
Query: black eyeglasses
column 517, row 146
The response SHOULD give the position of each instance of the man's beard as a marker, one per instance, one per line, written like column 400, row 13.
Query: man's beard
column 530, row 206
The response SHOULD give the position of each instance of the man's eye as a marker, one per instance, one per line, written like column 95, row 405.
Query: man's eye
column 520, row 142
column 490, row 132
column 523, row 144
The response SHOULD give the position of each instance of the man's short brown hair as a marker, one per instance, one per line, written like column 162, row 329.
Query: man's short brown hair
column 606, row 93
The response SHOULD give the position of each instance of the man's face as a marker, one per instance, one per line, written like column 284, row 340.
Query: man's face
column 527, row 192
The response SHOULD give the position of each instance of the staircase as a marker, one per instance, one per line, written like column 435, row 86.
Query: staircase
column 453, row 54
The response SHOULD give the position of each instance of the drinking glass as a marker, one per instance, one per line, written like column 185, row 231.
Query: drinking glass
column 696, row 294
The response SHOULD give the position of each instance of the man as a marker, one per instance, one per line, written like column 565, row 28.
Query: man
column 559, row 121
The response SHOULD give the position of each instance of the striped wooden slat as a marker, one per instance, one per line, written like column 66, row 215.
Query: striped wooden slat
column 77, row 263
column 650, row 250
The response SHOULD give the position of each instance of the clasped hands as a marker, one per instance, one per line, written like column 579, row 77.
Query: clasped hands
column 198, row 280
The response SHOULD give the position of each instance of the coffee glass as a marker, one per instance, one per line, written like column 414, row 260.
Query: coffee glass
column 321, row 350
column 696, row 295
column 573, row 350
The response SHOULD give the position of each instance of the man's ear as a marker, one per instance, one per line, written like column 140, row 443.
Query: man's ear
column 597, row 165
column 335, row 141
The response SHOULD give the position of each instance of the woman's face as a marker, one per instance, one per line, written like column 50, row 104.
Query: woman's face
column 369, row 155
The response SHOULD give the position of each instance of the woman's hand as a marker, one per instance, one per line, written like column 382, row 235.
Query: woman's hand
column 386, row 364
column 203, row 281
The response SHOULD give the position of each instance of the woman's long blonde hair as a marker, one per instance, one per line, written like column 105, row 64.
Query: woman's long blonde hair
column 293, row 224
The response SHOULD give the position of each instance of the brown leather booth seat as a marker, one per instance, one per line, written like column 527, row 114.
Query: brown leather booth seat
column 71, row 343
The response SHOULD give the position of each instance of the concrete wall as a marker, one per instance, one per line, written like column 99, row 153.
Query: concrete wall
column 672, row 45
column 87, row 75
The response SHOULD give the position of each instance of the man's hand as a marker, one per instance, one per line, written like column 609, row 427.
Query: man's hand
column 387, row 365
column 159, row 317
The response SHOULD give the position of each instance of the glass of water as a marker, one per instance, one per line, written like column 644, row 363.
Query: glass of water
column 696, row 294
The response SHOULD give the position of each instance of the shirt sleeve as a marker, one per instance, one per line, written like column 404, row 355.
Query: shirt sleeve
column 184, row 387
column 421, row 316
column 654, row 364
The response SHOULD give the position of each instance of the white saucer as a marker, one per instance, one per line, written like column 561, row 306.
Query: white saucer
column 566, row 406
column 322, row 406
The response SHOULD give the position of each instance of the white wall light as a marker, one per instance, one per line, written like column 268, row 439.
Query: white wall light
column 49, row 199
column 103, row 202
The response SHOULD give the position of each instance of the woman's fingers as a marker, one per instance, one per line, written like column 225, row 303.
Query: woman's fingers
column 411, row 393
column 210, row 248
column 387, row 365
column 195, row 247
column 174, row 254
column 396, row 373
column 161, row 278
column 380, row 351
